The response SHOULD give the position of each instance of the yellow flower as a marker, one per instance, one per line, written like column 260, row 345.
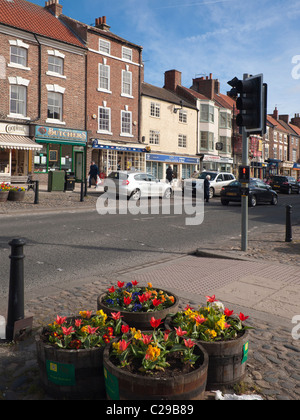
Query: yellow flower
column 172, row 299
column 101, row 313
column 138, row 335
column 212, row 333
column 150, row 285
column 152, row 353
column 84, row 329
column 221, row 323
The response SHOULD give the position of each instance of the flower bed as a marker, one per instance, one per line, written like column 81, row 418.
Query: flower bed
column 138, row 304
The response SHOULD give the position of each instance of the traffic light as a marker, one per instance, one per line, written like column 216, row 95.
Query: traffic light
column 252, row 103
column 244, row 174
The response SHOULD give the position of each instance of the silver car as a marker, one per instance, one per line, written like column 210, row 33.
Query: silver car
column 218, row 180
column 136, row 185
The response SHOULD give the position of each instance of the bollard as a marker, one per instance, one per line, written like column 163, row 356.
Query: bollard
column 85, row 187
column 16, row 287
column 288, row 235
column 82, row 192
column 36, row 192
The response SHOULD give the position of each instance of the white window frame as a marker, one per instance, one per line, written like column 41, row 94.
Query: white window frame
column 108, row 113
column 182, row 116
column 101, row 76
column 126, row 83
column 126, row 54
column 155, row 110
column 56, row 54
column 182, row 140
column 126, row 124
column 22, row 83
column 154, row 137
column 19, row 44
column 56, row 89
column 104, row 46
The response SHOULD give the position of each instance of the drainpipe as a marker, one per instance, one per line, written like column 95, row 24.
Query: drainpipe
column 40, row 82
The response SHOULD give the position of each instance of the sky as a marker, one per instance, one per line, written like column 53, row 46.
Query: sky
column 227, row 38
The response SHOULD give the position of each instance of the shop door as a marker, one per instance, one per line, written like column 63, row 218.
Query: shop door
column 79, row 166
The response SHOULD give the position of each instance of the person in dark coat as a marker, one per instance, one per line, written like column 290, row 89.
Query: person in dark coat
column 169, row 174
column 94, row 172
column 206, row 188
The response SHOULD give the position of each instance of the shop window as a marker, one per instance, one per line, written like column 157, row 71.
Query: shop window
column 40, row 160
column 66, row 158
column 4, row 162
column 54, row 157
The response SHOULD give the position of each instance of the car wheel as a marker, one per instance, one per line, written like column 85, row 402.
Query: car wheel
column 274, row 201
column 136, row 195
column 168, row 193
column 252, row 201
column 211, row 192
column 225, row 202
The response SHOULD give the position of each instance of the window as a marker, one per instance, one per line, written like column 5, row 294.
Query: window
column 155, row 109
column 104, row 119
column 18, row 99
column 55, row 101
column 225, row 120
column 55, row 64
column 181, row 140
column 126, row 124
column 226, row 141
column 182, row 116
column 104, row 77
column 207, row 140
column 126, row 83
column 154, row 137
column 207, row 113
column 126, row 53
column 18, row 55
column 104, row 46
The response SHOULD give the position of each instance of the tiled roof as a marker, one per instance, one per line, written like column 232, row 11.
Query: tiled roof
column 164, row 95
column 295, row 128
column 32, row 18
column 276, row 123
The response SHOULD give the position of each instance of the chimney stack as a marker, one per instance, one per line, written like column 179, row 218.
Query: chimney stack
column 296, row 120
column 207, row 86
column 172, row 80
column 54, row 7
column 284, row 118
column 275, row 113
column 100, row 23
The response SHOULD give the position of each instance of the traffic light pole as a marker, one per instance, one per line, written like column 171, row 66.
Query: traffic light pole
column 245, row 159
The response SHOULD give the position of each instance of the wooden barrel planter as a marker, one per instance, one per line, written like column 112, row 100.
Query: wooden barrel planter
column 3, row 196
column 226, row 366
column 123, row 385
column 71, row 374
column 139, row 320
column 16, row 196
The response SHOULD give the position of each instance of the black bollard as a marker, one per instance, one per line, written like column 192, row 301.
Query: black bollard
column 36, row 192
column 288, row 235
column 85, row 187
column 82, row 192
column 16, row 287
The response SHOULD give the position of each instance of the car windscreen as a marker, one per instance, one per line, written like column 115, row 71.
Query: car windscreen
column 117, row 175
column 279, row 179
column 204, row 175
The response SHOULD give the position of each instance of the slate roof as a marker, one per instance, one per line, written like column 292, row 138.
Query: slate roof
column 164, row 95
column 35, row 19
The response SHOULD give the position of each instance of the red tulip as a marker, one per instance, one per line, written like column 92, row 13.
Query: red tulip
column 227, row 312
column 67, row 331
column 60, row 320
column 116, row 315
column 112, row 289
column 200, row 320
column 155, row 323
column 134, row 283
column 189, row 343
column 127, row 300
column 156, row 302
column 78, row 323
column 211, row 299
column 179, row 332
column 121, row 284
column 123, row 345
column 147, row 339
column 91, row 330
column 125, row 329
column 243, row 317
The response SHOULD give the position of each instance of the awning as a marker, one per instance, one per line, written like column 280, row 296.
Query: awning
column 8, row 141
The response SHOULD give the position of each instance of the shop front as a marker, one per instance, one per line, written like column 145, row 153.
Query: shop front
column 112, row 157
column 61, row 150
column 183, row 166
column 16, row 152
column 216, row 163
column 296, row 170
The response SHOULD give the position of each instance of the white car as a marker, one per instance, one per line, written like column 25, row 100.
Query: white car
column 217, row 182
column 136, row 185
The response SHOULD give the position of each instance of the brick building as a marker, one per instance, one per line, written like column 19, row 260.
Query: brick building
column 114, row 77
column 43, row 109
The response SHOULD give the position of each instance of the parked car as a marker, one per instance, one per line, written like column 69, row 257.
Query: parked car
column 259, row 192
column 136, row 185
column 285, row 184
column 217, row 182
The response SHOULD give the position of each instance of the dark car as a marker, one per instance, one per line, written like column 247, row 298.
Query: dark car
column 259, row 192
column 285, row 184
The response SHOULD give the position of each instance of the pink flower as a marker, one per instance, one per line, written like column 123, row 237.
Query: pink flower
column 179, row 332
column 78, row 323
column 189, row 343
column 60, row 320
column 67, row 331
column 91, row 330
column 147, row 339
column 166, row 335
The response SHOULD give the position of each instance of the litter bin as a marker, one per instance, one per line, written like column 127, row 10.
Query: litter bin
column 56, row 181
column 70, row 181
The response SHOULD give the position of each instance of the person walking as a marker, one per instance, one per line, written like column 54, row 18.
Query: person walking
column 206, row 188
column 93, row 174
column 169, row 174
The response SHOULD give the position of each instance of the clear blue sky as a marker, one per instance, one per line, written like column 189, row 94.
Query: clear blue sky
column 224, row 37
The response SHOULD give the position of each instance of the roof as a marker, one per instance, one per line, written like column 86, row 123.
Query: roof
column 276, row 124
column 32, row 18
column 164, row 95
column 295, row 128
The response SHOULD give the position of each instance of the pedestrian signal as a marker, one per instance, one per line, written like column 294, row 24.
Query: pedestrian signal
column 244, row 174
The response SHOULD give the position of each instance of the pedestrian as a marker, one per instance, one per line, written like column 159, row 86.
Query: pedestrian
column 93, row 174
column 169, row 174
column 207, row 188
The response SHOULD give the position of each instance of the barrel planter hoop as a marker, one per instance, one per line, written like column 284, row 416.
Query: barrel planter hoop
column 16, row 195
column 227, row 361
column 139, row 320
column 3, row 196
column 71, row 374
column 123, row 385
